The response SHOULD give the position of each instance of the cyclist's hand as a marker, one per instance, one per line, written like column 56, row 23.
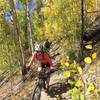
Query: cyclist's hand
column 52, row 67
column 27, row 65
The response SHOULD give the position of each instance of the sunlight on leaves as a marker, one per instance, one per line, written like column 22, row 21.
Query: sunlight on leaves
column 82, row 97
column 88, row 60
column 67, row 74
column 94, row 55
column 67, row 64
column 70, row 82
column 88, row 46
column 72, row 66
column 78, row 83
column 90, row 87
column 74, row 97
column 75, row 91
column 79, row 69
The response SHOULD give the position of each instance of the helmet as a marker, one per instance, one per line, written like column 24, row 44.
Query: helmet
column 38, row 47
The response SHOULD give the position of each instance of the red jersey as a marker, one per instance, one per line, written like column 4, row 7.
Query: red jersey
column 40, row 56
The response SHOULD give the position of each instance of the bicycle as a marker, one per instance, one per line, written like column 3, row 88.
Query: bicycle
column 40, row 84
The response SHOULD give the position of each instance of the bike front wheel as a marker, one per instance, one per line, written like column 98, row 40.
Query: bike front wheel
column 36, row 93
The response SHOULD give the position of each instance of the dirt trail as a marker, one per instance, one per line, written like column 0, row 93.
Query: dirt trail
column 25, row 90
column 58, row 86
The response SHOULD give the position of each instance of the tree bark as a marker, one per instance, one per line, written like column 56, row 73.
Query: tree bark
column 18, row 44
column 29, row 27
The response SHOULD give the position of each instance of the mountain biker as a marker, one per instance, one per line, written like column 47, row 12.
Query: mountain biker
column 40, row 59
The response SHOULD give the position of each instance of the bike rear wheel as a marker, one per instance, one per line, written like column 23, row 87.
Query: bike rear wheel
column 36, row 93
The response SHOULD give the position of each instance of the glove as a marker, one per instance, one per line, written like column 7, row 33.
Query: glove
column 28, row 68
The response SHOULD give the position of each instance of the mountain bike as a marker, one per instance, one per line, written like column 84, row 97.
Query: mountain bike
column 40, row 84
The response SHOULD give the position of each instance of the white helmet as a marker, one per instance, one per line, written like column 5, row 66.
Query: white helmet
column 38, row 47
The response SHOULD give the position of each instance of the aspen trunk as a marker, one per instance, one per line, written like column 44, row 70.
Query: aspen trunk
column 29, row 27
column 18, row 44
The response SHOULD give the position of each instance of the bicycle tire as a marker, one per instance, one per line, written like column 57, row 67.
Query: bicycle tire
column 36, row 93
column 42, row 83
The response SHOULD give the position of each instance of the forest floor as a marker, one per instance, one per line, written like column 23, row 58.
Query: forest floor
column 23, row 91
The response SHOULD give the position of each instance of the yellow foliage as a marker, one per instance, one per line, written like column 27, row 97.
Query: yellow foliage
column 67, row 74
column 67, row 64
column 55, row 26
column 43, row 10
column 88, row 60
column 46, row 11
column 91, row 5
column 90, row 87
column 94, row 55
column 63, row 61
column 88, row 46
column 78, row 83
column 79, row 69
column 2, row 3
column 70, row 82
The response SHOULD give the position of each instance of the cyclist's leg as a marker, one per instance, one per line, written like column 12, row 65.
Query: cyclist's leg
column 48, row 81
column 48, row 78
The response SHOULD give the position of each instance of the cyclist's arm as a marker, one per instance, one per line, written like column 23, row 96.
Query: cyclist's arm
column 31, row 60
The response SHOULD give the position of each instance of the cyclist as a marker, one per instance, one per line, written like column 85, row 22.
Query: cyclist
column 40, row 59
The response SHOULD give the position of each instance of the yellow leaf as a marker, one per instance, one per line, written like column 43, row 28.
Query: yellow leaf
column 67, row 64
column 43, row 9
column 94, row 55
column 78, row 83
column 79, row 69
column 90, row 87
column 88, row 46
column 62, row 61
column 70, row 82
column 67, row 74
column 88, row 60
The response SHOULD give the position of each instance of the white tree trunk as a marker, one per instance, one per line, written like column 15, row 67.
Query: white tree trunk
column 17, row 34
